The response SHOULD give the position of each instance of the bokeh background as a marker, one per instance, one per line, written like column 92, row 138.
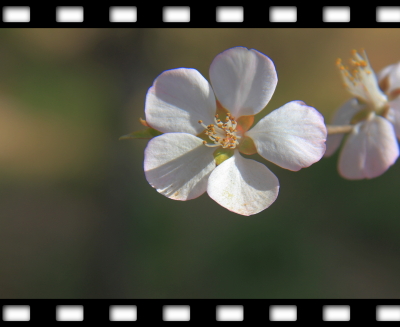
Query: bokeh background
column 79, row 220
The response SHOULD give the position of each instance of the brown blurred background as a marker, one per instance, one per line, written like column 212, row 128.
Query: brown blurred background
column 79, row 220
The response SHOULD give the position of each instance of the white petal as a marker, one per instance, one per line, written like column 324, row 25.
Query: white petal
column 369, row 150
column 178, row 99
column 243, row 80
column 392, row 72
column 394, row 115
column 342, row 116
column 243, row 186
column 178, row 165
column 386, row 71
column 292, row 136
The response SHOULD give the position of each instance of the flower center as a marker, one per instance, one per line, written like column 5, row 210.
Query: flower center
column 361, row 82
column 222, row 134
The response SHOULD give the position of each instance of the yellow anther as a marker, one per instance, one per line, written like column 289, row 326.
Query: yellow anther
column 361, row 82
column 200, row 122
column 222, row 134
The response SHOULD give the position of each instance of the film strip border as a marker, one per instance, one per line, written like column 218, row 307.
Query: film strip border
column 201, row 311
column 200, row 15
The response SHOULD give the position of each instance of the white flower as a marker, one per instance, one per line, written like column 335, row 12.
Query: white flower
column 371, row 147
column 181, row 164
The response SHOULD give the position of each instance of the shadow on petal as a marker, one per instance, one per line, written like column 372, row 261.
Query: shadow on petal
column 184, row 177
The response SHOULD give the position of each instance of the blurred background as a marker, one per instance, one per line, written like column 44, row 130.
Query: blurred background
column 79, row 220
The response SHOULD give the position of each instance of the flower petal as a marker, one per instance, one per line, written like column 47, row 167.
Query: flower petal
column 342, row 116
column 243, row 80
column 369, row 150
column 243, row 186
column 394, row 115
column 178, row 165
column 292, row 136
column 178, row 99
column 389, row 78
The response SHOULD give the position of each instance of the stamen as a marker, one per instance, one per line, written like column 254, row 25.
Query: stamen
column 202, row 124
column 360, row 81
column 222, row 134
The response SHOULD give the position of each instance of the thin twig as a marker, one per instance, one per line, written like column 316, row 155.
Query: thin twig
column 337, row 129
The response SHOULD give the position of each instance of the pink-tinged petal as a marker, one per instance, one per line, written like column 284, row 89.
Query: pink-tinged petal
column 342, row 116
column 243, row 80
column 389, row 78
column 178, row 165
column 178, row 99
column 243, row 186
column 394, row 115
column 369, row 150
column 292, row 136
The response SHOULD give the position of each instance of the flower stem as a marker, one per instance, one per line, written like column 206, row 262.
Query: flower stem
column 337, row 129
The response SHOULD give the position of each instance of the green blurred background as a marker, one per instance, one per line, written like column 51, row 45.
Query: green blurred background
column 79, row 220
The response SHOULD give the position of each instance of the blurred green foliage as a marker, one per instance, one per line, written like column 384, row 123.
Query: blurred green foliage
column 79, row 220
